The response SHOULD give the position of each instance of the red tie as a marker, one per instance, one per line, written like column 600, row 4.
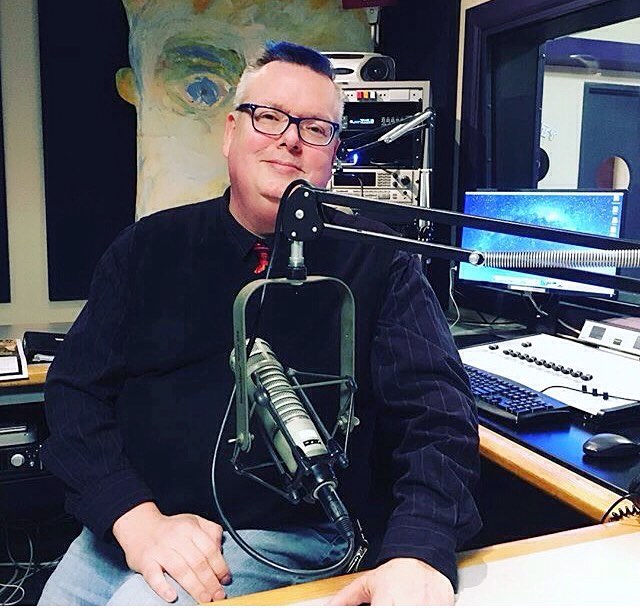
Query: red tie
column 262, row 253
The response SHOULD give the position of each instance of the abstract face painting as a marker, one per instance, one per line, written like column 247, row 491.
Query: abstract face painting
column 186, row 59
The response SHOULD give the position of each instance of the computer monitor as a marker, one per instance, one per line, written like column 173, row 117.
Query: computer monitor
column 594, row 212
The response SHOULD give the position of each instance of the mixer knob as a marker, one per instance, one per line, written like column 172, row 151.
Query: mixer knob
column 17, row 460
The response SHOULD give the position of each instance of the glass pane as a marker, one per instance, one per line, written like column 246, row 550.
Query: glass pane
column 608, row 55
column 590, row 125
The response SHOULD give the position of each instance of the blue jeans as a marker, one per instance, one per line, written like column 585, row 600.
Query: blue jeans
column 94, row 573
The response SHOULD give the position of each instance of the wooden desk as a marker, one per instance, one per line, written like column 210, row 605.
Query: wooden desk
column 569, row 487
column 37, row 371
column 316, row 590
column 37, row 376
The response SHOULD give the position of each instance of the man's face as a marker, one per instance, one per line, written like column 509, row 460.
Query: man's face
column 262, row 166
column 187, row 57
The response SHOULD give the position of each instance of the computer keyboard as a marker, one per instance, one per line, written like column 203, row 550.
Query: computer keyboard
column 512, row 403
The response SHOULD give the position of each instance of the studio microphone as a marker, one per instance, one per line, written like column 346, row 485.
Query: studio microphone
column 294, row 435
column 403, row 128
column 349, row 156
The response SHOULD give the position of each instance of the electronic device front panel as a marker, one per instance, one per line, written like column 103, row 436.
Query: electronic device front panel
column 395, row 172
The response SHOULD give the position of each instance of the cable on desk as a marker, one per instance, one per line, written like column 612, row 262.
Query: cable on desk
column 15, row 584
column 387, row 167
column 544, row 313
column 536, row 307
column 624, row 512
column 567, row 326
column 484, row 321
column 486, row 324
column 451, row 297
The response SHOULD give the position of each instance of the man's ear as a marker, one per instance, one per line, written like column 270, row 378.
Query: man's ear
column 126, row 85
column 229, row 130
column 336, row 145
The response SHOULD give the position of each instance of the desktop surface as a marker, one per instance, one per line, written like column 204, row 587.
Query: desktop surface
column 569, row 568
column 561, row 443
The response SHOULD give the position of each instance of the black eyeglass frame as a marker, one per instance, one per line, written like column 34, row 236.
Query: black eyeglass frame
column 296, row 120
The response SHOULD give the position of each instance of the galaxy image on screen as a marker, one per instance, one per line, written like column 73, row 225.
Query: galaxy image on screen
column 590, row 212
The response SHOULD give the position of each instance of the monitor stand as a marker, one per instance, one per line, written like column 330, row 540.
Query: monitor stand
column 544, row 317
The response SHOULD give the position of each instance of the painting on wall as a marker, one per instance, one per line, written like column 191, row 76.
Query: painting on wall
column 5, row 287
column 107, row 164
column 186, row 57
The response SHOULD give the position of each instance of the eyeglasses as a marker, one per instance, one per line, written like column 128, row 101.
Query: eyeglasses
column 270, row 121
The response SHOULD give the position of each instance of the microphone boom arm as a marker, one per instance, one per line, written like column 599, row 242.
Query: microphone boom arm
column 303, row 219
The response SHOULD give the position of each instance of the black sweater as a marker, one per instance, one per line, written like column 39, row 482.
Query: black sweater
column 136, row 396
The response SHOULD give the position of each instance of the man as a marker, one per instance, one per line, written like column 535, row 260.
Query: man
column 186, row 59
column 138, row 392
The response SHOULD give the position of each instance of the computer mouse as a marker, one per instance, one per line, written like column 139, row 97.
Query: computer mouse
column 609, row 445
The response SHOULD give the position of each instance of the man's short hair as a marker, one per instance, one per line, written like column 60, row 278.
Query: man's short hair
column 289, row 52
column 297, row 54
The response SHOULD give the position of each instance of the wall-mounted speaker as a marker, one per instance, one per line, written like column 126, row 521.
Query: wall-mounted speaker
column 361, row 67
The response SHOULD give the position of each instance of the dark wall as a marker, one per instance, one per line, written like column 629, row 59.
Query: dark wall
column 422, row 36
column 5, row 290
column 88, row 135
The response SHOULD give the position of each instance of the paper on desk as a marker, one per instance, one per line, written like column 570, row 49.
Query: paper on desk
column 321, row 601
column 13, row 363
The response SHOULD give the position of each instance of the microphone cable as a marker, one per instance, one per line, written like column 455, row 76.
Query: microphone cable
column 256, row 320
column 632, row 510
column 529, row 296
column 241, row 542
